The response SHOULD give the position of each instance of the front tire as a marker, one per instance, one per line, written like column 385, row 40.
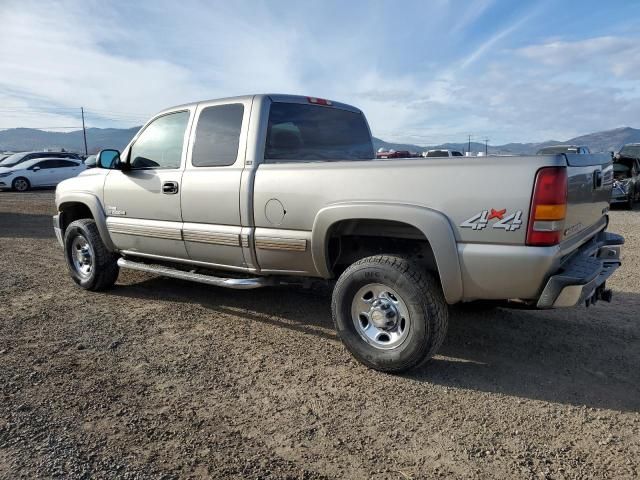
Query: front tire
column 390, row 314
column 20, row 184
column 90, row 264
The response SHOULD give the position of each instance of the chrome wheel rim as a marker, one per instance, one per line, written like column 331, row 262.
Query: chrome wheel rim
column 380, row 316
column 82, row 256
column 20, row 185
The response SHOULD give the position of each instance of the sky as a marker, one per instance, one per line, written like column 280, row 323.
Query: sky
column 424, row 72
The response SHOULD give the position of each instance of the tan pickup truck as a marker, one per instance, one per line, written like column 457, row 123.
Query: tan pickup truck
column 254, row 191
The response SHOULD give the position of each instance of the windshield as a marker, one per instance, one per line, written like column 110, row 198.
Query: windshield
column 12, row 160
column 632, row 151
column 438, row 153
column 310, row 132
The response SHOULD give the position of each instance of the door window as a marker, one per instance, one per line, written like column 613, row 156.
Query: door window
column 160, row 144
column 46, row 164
column 218, row 136
column 65, row 164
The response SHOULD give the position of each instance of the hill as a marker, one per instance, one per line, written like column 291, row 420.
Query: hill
column 20, row 139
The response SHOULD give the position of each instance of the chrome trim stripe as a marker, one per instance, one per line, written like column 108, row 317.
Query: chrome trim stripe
column 289, row 244
column 145, row 231
column 244, row 239
column 216, row 238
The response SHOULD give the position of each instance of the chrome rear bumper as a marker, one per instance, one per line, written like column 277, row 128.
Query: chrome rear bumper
column 582, row 277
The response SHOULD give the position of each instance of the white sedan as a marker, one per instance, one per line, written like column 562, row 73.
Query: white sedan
column 41, row 172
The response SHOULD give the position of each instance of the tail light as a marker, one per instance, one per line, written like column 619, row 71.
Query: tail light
column 548, row 207
column 319, row 101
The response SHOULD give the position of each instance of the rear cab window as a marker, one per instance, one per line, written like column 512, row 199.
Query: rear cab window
column 300, row 132
column 218, row 136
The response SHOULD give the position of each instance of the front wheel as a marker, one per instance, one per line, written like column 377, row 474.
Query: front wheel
column 20, row 184
column 390, row 314
column 90, row 264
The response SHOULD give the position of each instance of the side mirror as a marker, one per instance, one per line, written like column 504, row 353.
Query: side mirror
column 109, row 159
column 35, row 169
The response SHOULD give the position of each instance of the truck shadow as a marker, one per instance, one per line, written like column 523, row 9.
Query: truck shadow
column 577, row 356
column 23, row 225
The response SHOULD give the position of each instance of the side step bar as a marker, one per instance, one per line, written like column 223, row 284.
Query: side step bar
column 236, row 283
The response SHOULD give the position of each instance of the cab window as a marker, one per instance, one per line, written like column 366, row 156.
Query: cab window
column 160, row 145
column 218, row 136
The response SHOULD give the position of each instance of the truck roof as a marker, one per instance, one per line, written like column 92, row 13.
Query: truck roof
column 275, row 97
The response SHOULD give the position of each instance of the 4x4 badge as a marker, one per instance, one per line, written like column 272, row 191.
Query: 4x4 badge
column 508, row 223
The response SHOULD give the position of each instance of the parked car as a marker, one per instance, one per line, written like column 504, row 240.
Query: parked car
column 626, row 175
column 394, row 154
column 555, row 149
column 39, row 172
column 279, row 189
column 16, row 158
column 441, row 153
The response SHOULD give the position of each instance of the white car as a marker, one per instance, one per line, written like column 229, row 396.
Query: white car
column 41, row 172
column 441, row 153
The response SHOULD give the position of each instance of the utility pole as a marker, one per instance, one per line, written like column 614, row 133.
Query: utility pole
column 84, row 132
column 469, row 145
column 486, row 146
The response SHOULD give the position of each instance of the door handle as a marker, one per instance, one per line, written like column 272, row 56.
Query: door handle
column 170, row 188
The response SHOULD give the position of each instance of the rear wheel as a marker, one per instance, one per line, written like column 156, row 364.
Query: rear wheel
column 390, row 314
column 21, row 184
column 90, row 264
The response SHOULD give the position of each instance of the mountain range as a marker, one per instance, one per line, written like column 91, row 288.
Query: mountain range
column 22, row 139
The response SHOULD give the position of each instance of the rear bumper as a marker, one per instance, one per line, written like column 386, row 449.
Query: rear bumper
column 581, row 278
column 57, row 229
column 619, row 198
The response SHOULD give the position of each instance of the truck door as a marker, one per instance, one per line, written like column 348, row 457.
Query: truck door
column 211, row 184
column 143, row 203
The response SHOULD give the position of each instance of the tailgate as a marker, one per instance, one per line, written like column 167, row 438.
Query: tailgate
column 590, row 179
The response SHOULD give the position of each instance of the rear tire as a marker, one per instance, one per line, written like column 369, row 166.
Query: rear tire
column 20, row 184
column 390, row 314
column 90, row 264
column 629, row 204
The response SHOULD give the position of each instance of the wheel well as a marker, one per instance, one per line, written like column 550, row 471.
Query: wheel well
column 351, row 240
column 70, row 212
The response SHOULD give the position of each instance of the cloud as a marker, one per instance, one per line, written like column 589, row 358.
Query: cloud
column 414, row 71
column 619, row 56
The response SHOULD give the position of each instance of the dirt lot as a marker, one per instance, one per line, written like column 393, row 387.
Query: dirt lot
column 160, row 378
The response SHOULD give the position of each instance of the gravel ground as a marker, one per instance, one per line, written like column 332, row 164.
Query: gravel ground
column 159, row 378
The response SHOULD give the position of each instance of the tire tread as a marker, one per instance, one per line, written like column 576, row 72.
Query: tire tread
column 433, row 302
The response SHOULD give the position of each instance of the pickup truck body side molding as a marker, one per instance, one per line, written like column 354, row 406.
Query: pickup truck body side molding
column 433, row 225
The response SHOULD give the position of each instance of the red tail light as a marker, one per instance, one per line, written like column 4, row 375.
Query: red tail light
column 319, row 101
column 548, row 207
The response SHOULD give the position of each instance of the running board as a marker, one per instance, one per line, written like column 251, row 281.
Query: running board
column 235, row 283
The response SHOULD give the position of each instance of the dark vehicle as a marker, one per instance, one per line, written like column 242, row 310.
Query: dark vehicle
column 554, row 150
column 626, row 176
column 16, row 158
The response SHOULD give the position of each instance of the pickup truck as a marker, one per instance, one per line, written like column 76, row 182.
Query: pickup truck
column 262, row 190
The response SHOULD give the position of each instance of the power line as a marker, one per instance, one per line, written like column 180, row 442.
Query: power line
column 78, row 127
